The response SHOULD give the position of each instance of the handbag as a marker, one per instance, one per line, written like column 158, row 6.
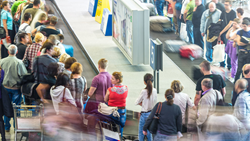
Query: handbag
column 26, row 62
column 2, row 30
column 153, row 127
column 219, row 52
column 108, row 110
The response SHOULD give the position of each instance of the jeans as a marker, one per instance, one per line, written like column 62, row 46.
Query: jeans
column 198, row 39
column 223, row 64
column 209, row 52
column 243, row 58
column 122, row 119
column 142, row 121
column 159, row 6
column 161, row 137
column 15, row 97
column 179, row 25
column 190, row 31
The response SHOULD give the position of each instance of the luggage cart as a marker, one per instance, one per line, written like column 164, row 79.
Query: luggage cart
column 28, row 119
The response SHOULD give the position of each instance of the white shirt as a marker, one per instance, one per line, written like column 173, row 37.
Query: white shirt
column 147, row 103
column 182, row 99
column 184, row 5
column 28, row 28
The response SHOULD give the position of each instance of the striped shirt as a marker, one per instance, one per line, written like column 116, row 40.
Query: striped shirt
column 31, row 52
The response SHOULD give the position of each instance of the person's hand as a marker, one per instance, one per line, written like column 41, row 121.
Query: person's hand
column 145, row 133
column 219, row 39
column 45, row 101
column 202, row 34
column 194, row 107
column 195, row 9
column 234, row 44
column 185, row 20
column 180, row 17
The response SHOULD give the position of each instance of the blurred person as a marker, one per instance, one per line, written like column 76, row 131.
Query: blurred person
column 219, row 5
column 160, row 6
column 207, row 105
column 7, row 24
column 63, row 58
column 78, row 85
column 40, row 27
column 101, row 82
column 175, row 18
column 61, row 37
column 42, row 18
column 57, row 53
column 116, row 96
column 15, row 6
column 68, row 63
column 25, row 27
column 230, row 50
column 209, row 16
column 227, row 18
column 24, row 40
column 239, row 13
column 182, row 100
column 55, row 39
column 170, row 119
column 14, row 69
column 147, row 101
column 218, row 82
column 196, row 20
column 183, row 8
column 242, row 104
column 2, row 128
column 187, row 16
column 243, row 50
column 51, row 29
column 33, row 10
column 32, row 50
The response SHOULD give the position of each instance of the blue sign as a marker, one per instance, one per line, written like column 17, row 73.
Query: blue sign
column 106, row 25
column 152, row 54
column 156, row 57
column 92, row 7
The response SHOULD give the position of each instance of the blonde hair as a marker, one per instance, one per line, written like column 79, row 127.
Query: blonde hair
column 39, row 37
column 237, row 20
column 118, row 76
column 176, row 86
column 103, row 63
column 57, row 53
column 64, row 57
column 76, row 68
column 42, row 17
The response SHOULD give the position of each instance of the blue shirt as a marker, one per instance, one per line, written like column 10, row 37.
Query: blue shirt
column 244, row 33
column 6, row 16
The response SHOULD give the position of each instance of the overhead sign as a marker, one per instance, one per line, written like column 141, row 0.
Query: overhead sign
column 101, row 5
column 92, row 7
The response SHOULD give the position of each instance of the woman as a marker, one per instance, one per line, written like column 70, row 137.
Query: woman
column 170, row 119
column 2, row 129
column 78, row 85
column 230, row 50
column 116, row 97
column 181, row 99
column 147, row 101
column 7, row 24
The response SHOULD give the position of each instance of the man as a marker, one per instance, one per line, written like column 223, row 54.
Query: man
column 13, row 69
column 218, row 82
column 188, row 15
column 101, row 82
column 219, row 5
column 24, row 40
column 68, row 64
column 25, row 26
column 211, row 15
column 33, row 11
column 244, row 50
column 207, row 104
column 50, row 29
column 246, row 74
column 227, row 18
column 242, row 104
column 196, row 20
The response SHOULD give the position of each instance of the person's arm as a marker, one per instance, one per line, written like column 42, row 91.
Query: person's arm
column 226, row 28
column 185, row 15
column 197, row 97
column 228, row 33
column 202, row 27
column 240, row 111
column 91, row 91
column 30, row 39
column 42, row 90
column 69, row 97
column 203, row 111
column 179, row 120
column 106, row 98
column 223, row 90
column 139, row 99
column 5, row 27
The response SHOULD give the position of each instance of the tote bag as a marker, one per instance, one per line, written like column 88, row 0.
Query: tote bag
column 219, row 52
column 183, row 32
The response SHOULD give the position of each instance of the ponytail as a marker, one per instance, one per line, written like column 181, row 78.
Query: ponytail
column 148, row 79
column 169, row 94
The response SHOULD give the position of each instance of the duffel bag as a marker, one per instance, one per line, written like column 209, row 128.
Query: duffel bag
column 191, row 51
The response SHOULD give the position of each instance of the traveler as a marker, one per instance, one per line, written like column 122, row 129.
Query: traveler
column 61, row 37
column 15, row 6
column 227, row 18
column 170, row 119
column 42, row 18
column 60, row 91
column 32, row 50
column 183, row 8
column 159, row 6
column 218, row 82
column 196, row 20
column 33, row 10
column 56, row 41
column 24, row 40
column 7, row 24
column 51, row 29
column 63, row 58
column 24, row 27
column 2, row 128
column 57, row 53
column 68, row 64
column 147, row 101
column 243, row 53
column 219, row 5
column 182, row 100
column 101, row 82
column 78, row 85
column 239, row 13
column 188, row 15
column 242, row 104
column 209, row 16
column 207, row 105
column 116, row 97
column 13, row 69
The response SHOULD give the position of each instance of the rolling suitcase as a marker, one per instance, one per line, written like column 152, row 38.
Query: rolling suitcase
column 174, row 45
column 196, row 72
column 191, row 51
column 220, row 71
column 69, row 50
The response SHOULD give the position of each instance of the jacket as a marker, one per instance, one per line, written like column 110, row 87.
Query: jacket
column 204, row 19
column 213, row 31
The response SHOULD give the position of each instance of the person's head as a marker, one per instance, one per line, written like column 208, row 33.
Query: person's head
column 57, row 52
column 62, row 80
column 49, row 48
column 76, row 68
column 236, row 23
column 176, row 86
column 39, row 37
column 116, row 78
column 245, row 25
column 228, row 4
column 197, row 2
column 246, row 70
column 36, row 3
column 12, row 50
column 61, row 37
column 5, row 5
column 240, row 12
column 205, row 66
column 212, row 6
column 24, row 38
column 206, row 84
column 102, row 64
column 53, row 69
column 54, row 39
column 169, row 95
column 69, row 62
column 42, row 17
column 240, row 85
column 27, row 17
column 53, row 20
column 148, row 80
column 63, row 58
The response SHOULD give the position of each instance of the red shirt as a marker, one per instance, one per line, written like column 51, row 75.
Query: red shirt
column 117, row 96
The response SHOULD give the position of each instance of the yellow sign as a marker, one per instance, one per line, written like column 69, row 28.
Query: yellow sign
column 99, row 11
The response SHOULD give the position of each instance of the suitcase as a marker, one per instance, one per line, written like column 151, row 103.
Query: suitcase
column 69, row 50
column 191, row 51
column 196, row 72
column 174, row 45
column 219, row 71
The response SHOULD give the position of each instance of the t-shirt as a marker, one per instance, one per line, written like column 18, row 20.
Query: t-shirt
column 244, row 33
column 227, row 17
column 117, row 96
column 218, row 82
column 197, row 16
column 49, row 31
column 21, row 50
column 15, row 6
column 32, row 11
column 38, row 24
column 190, row 8
column 7, row 16
column 101, row 82
column 27, row 29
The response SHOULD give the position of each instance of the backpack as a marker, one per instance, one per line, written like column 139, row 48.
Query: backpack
column 16, row 39
column 178, row 5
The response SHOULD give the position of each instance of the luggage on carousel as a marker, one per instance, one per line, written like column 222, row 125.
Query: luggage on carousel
column 160, row 24
column 196, row 72
column 174, row 45
column 69, row 50
column 219, row 71
column 191, row 51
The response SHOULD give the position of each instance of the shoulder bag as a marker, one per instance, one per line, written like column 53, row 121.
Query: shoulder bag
column 108, row 110
column 153, row 127
column 2, row 30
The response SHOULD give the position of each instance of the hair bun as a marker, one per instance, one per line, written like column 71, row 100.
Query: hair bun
column 169, row 97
